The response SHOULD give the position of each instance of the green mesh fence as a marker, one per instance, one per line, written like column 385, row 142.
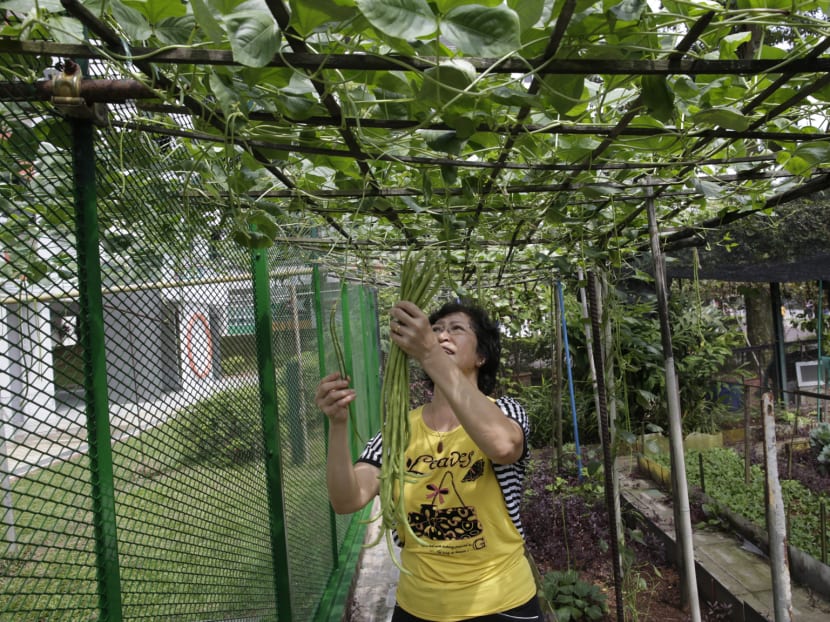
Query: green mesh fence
column 161, row 455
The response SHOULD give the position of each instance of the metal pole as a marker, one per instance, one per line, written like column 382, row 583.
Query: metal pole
column 589, row 338
column 822, row 369
column 320, row 322
column 92, row 339
column 610, row 473
column 780, row 342
column 556, row 370
column 270, row 431
column 570, row 380
column 680, row 490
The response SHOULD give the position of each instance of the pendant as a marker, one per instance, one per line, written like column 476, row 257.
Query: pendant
column 440, row 447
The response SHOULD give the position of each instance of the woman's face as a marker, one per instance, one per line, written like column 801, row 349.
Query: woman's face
column 458, row 339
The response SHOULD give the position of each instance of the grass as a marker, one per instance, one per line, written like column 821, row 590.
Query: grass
column 193, row 539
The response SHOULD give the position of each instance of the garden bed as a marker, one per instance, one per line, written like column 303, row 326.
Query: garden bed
column 566, row 526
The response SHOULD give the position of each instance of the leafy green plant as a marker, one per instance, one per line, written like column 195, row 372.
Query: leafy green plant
column 572, row 598
column 820, row 444
column 537, row 401
column 224, row 428
column 725, row 484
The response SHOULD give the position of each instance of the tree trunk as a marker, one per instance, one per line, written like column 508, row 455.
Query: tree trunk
column 761, row 332
column 759, row 329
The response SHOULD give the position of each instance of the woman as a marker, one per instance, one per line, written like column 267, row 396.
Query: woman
column 467, row 455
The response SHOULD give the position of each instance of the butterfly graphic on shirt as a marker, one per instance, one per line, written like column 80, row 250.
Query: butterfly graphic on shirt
column 476, row 471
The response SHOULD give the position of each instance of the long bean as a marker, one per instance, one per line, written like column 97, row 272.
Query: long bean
column 419, row 283
column 341, row 366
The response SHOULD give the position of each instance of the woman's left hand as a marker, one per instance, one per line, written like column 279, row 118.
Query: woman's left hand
column 411, row 331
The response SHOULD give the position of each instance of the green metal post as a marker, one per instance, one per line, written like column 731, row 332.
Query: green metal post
column 780, row 343
column 321, row 359
column 270, row 428
column 91, row 319
column 347, row 353
column 371, row 355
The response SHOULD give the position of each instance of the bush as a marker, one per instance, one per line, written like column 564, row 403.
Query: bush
column 820, row 444
column 572, row 598
column 224, row 428
column 537, row 403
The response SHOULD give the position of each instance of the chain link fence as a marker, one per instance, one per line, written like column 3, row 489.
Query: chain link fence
column 161, row 457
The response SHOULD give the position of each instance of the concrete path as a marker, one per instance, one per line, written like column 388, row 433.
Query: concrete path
column 727, row 569
column 377, row 576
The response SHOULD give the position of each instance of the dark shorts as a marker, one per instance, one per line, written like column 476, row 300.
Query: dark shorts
column 529, row 612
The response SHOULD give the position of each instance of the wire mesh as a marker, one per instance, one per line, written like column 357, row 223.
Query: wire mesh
column 195, row 532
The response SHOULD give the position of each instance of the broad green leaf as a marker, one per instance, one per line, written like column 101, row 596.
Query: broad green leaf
column 729, row 44
column 158, row 10
column 658, row 97
column 529, row 12
column 206, row 21
column 708, row 189
column 464, row 124
column 726, row 118
column 390, row 105
column 404, row 19
column 686, row 88
column 446, row 81
column 771, row 52
column 563, row 92
column 781, row 5
column 482, row 31
column 308, row 16
column 628, row 10
column 22, row 7
column 574, row 148
column 66, row 29
column 253, row 33
column 447, row 5
column 695, row 8
column 449, row 174
column 804, row 157
column 134, row 23
column 514, row 97
column 226, row 96
column 447, row 142
column 257, row 230
column 173, row 30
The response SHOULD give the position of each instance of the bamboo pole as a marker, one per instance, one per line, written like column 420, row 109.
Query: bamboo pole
column 776, row 521
column 680, row 489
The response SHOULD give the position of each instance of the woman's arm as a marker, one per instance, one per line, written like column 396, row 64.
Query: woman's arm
column 350, row 486
column 499, row 437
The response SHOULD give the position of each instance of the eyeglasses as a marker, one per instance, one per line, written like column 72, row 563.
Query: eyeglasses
column 454, row 329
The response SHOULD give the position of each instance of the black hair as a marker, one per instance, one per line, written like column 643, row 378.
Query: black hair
column 488, row 337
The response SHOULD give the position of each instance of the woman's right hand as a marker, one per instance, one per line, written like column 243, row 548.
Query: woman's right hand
column 333, row 397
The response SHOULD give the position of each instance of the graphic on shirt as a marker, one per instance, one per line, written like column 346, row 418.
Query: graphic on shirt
column 476, row 471
column 439, row 519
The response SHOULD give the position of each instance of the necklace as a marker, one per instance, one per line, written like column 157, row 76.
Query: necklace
column 439, row 448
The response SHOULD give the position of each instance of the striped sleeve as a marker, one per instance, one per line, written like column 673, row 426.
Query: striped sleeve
column 373, row 451
column 511, row 476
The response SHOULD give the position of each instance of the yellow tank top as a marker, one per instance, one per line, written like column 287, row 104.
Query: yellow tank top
column 470, row 560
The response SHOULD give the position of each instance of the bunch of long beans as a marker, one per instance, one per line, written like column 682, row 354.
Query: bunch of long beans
column 419, row 283
column 341, row 365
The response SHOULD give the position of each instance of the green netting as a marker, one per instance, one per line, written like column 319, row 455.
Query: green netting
column 197, row 528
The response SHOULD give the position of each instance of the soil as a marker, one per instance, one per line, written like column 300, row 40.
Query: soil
column 566, row 527
column 570, row 531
